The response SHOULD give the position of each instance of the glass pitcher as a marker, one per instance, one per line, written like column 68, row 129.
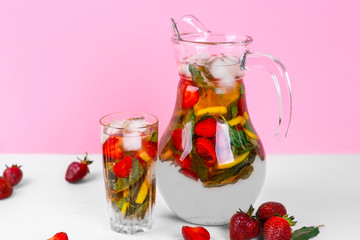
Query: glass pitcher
column 212, row 159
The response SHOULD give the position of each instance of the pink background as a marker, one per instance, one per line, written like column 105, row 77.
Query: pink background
column 64, row 64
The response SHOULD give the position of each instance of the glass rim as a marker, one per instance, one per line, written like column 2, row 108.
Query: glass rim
column 130, row 112
column 246, row 39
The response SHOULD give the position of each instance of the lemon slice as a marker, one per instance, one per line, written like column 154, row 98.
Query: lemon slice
column 166, row 155
column 250, row 134
column 236, row 161
column 142, row 192
column 144, row 156
column 211, row 110
column 124, row 207
column 236, row 121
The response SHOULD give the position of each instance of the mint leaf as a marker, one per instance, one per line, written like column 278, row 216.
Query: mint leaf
column 305, row 233
column 121, row 184
column 195, row 73
column 242, row 89
column 237, row 138
column 154, row 137
column 190, row 117
column 119, row 204
column 136, row 171
column 140, row 211
column 234, row 110
column 221, row 177
column 248, row 126
column 198, row 166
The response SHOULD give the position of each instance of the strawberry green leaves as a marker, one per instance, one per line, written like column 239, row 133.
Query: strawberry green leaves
column 305, row 233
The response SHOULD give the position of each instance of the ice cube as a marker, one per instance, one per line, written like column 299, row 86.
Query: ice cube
column 203, row 57
column 132, row 143
column 114, row 127
column 227, row 81
column 230, row 60
column 218, row 69
column 132, row 131
column 183, row 69
column 222, row 67
column 233, row 66
column 134, row 123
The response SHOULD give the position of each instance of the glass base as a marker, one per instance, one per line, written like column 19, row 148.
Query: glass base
column 130, row 227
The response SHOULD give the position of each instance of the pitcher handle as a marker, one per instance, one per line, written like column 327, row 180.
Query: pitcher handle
column 251, row 61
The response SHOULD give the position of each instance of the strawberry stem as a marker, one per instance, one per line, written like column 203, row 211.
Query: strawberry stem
column 250, row 211
column 290, row 219
column 85, row 160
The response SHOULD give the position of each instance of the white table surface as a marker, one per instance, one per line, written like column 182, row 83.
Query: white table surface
column 316, row 189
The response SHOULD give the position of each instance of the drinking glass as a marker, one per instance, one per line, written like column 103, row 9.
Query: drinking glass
column 129, row 146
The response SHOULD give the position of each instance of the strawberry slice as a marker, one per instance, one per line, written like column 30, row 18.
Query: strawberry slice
column 177, row 139
column 122, row 168
column 206, row 127
column 195, row 233
column 241, row 106
column 184, row 163
column 190, row 96
column 188, row 173
column 111, row 148
column 206, row 149
column 150, row 148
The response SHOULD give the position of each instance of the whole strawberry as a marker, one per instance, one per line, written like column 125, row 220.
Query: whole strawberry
column 5, row 188
column 244, row 226
column 77, row 170
column 13, row 174
column 268, row 210
column 195, row 233
column 278, row 228
column 60, row 236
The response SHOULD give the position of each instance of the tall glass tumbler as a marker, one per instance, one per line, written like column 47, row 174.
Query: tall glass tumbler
column 129, row 145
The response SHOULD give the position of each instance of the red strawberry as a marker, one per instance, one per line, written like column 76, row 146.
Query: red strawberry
column 244, row 226
column 206, row 149
column 111, row 148
column 268, row 210
column 150, row 148
column 60, row 236
column 206, row 128
column 5, row 188
column 190, row 96
column 77, row 170
column 241, row 106
column 278, row 228
column 13, row 174
column 195, row 233
column 122, row 168
column 177, row 139
column 184, row 163
column 188, row 173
